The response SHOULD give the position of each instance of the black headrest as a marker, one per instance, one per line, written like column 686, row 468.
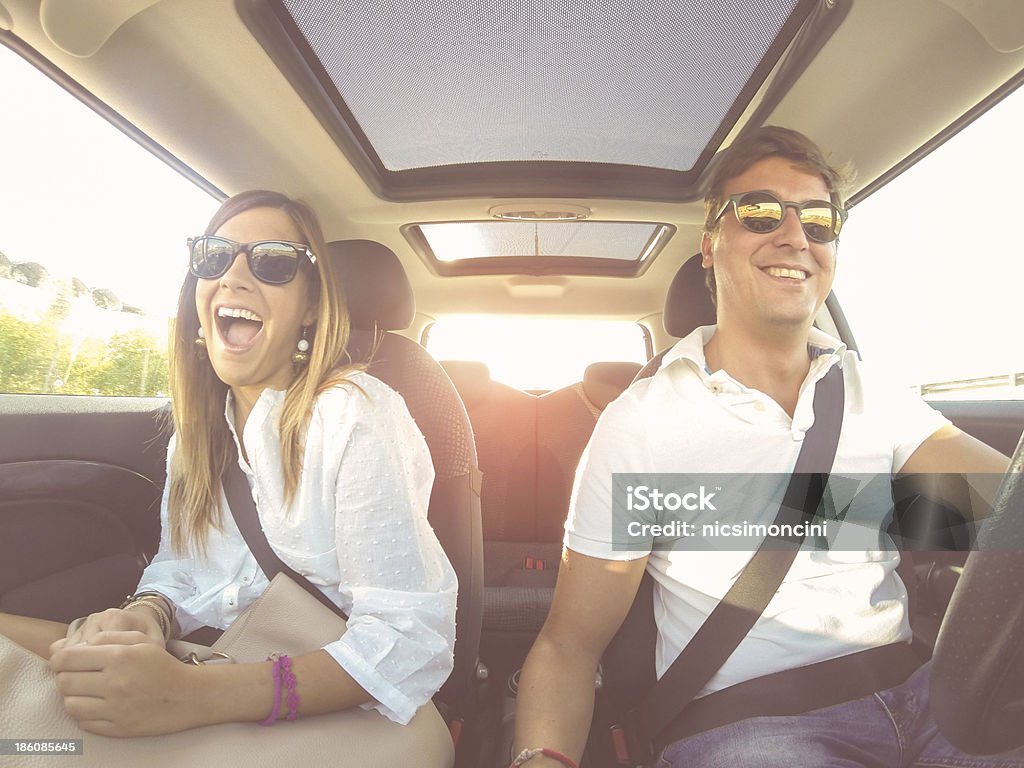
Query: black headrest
column 603, row 382
column 471, row 378
column 378, row 290
column 688, row 303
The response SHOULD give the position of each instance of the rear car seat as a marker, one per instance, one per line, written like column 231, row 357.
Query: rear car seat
column 529, row 448
column 504, row 423
column 565, row 421
column 507, row 418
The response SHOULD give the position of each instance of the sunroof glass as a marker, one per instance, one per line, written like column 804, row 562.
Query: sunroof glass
column 619, row 241
column 437, row 84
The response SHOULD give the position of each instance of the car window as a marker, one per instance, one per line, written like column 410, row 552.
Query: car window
column 92, row 233
column 533, row 353
column 931, row 266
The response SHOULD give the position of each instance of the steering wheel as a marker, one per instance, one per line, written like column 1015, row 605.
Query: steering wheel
column 977, row 676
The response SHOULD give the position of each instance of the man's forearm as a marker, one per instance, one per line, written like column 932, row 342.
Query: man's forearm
column 556, row 700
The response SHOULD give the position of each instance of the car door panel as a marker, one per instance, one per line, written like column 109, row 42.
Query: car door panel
column 80, row 486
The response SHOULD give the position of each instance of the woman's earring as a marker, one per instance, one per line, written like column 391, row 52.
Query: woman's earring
column 200, row 343
column 301, row 355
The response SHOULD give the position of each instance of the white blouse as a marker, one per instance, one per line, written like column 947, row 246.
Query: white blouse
column 357, row 528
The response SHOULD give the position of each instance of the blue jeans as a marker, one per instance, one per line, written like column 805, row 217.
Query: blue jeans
column 890, row 729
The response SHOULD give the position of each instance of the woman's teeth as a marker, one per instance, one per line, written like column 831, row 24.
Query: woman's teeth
column 244, row 314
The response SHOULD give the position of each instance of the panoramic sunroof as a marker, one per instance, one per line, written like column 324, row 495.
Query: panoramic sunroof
column 469, row 98
column 531, row 247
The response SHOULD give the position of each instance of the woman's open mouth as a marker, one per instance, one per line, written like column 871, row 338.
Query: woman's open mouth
column 238, row 327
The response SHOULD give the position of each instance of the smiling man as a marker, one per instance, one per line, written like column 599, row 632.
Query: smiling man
column 737, row 398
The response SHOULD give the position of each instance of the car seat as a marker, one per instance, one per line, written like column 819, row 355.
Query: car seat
column 380, row 300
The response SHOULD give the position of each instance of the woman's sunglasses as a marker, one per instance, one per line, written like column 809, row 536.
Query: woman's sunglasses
column 763, row 212
column 270, row 261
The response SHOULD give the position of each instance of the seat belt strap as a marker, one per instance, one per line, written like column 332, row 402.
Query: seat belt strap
column 799, row 690
column 247, row 518
column 737, row 612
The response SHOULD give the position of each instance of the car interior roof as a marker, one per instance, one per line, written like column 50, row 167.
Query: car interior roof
column 191, row 76
column 680, row 74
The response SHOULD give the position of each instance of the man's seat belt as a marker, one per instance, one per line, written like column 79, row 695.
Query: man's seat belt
column 717, row 638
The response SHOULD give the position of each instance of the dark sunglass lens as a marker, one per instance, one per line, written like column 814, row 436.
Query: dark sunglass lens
column 275, row 262
column 211, row 257
column 820, row 221
column 759, row 212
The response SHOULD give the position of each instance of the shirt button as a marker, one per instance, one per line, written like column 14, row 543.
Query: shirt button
column 716, row 389
column 759, row 406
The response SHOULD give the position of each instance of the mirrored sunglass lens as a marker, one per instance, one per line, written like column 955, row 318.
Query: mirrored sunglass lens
column 820, row 221
column 759, row 212
column 211, row 257
column 275, row 262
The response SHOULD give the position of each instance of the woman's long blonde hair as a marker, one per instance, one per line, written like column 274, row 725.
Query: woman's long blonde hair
column 205, row 448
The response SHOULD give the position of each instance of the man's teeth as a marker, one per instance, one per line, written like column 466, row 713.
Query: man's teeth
column 244, row 314
column 798, row 274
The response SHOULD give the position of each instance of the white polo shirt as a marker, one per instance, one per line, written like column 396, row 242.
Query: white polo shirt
column 685, row 419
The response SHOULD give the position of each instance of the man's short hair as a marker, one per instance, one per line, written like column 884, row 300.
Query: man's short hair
column 768, row 141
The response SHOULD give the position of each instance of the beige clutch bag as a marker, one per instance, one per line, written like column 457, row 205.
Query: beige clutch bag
column 286, row 619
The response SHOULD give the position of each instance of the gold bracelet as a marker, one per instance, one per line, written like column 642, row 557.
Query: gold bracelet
column 156, row 603
column 161, row 617
column 166, row 605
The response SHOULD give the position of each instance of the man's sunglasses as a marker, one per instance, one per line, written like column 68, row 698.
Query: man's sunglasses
column 270, row 261
column 763, row 212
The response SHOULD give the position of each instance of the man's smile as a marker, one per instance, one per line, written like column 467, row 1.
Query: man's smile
column 786, row 273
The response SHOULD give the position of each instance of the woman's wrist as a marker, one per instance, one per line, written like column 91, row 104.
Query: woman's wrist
column 156, row 605
column 157, row 618
column 234, row 693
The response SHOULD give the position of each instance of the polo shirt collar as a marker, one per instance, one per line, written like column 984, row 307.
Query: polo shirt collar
column 819, row 345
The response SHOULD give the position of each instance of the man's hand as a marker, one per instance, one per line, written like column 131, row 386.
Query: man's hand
column 121, row 683
column 556, row 689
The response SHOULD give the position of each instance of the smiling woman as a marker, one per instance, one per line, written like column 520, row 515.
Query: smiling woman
column 242, row 312
column 249, row 357
column 332, row 459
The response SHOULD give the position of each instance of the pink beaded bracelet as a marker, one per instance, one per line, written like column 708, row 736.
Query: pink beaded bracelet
column 291, row 695
column 275, row 670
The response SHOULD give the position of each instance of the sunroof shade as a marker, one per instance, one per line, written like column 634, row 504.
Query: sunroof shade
column 621, row 248
column 643, row 83
column 454, row 241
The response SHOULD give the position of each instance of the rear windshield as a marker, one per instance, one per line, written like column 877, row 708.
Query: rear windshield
column 536, row 353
